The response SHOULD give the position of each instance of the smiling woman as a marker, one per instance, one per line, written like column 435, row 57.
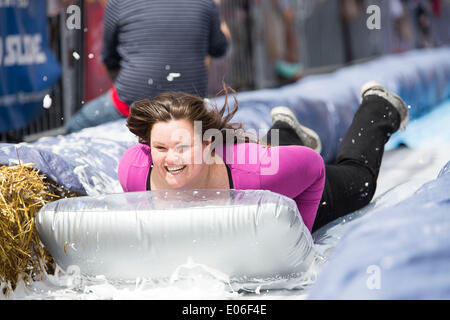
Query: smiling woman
column 174, row 146
column 186, row 145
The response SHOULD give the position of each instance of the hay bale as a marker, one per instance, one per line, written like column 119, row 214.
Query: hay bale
column 23, row 191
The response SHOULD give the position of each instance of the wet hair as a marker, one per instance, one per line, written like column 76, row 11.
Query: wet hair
column 180, row 106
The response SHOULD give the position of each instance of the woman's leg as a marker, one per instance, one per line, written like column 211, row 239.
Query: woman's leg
column 351, row 181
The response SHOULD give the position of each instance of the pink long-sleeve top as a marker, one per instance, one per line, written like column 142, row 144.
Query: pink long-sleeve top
column 294, row 171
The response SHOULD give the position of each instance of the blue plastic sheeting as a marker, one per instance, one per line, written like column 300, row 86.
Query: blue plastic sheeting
column 86, row 163
column 432, row 129
column 327, row 103
column 56, row 167
column 401, row 252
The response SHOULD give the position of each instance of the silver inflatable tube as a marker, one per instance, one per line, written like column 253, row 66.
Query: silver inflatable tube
column 245, row 234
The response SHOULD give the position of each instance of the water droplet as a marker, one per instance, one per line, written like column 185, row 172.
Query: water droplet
column 353, row 141
column 173, row 75
column 91, row 56
column 47, row 102
column 76, row 55
column 167, row 67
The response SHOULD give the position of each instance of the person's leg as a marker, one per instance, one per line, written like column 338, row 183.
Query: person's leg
column 289, row 20
column 93, row 113
column 286, row 135
column 290, row 131
column 351, row 181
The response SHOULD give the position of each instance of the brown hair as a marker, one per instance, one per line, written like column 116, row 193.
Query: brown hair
column 177, row 106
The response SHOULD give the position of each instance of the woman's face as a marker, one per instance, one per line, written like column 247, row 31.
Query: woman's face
column 177, row 154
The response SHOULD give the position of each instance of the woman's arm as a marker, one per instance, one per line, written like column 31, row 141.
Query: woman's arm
column 134, row 167
column 219, row 35
column 110, row 56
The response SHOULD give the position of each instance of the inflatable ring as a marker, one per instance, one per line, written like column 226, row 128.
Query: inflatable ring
column 245, row 234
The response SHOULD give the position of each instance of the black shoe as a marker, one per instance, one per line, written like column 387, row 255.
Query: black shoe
column 374, row 88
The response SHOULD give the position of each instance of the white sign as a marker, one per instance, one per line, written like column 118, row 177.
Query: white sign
column 21, row 50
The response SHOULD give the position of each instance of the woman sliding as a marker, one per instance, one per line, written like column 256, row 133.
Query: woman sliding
column 185, row 145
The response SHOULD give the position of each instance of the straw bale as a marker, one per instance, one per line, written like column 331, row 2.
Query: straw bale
column 23, row 191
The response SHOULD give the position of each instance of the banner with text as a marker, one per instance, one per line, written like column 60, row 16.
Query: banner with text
column 28, row 68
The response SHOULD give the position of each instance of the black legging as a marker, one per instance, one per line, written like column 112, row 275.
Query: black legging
column 351, row 179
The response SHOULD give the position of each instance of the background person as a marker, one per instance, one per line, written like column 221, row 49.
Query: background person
column 289, row 65
column 150, row 47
